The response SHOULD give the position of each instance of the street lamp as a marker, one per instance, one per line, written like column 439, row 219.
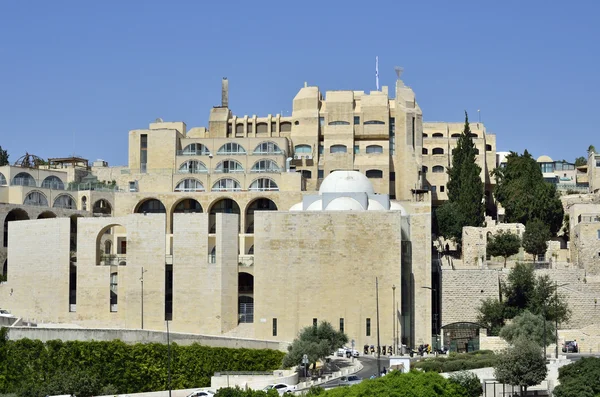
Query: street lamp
column 142, row 282
column 169, row 358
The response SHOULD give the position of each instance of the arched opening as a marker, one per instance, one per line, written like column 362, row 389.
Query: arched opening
column 186, row 206
column 111, row 246
column 263, row 184
column 53, row 182
column 226, row 185
column 261, row 204
column 267, row 148
column 189, row 185
column 2, row 179
column 195, row 149
column 265, row 165
column 245, row 297
column 438, row 150
column 36, row 198
column 65, row 201
column 285, row 126
column 15, row 215
column 192, row 167
column 437, row 135
column 23, row 179
column 46, row 215
column 151, row 206
column 222, row 206
column 231, row 148
column 102, row 208
column 84, row 203
column 438, row 168
column 455, row 135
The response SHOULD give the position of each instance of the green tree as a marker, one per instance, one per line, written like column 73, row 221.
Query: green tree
column 316, row 342
column 591, row 149
column 465, row 205
column 521, row 365
column 522, row 191
column 468, row 381
column 535, row 238
column 579, row 161
column 491, row 315
column 503, row 244
column 547, row 301
column 519, row 289
column 581, row 378
column 528, row 325
column 3, row 157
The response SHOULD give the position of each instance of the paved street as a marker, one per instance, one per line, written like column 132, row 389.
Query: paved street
column 369, row 368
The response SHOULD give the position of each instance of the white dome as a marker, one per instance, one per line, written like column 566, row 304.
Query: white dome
column 396, row 206
column 296, row 207
column 344, row 204
column 375, row 205
column 346, row 182
column 315, row 206
column 544, row 159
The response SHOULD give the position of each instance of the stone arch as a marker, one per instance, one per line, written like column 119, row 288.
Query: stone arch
column 245, row 297
column 102, row 207
column 185, row 205
column 53, row 182
column 46, row 215
column 16, row 214
column 258, row 204
column 65, row 201
column 150, row 205
column 117, row 235
column 224, row 205
column 36, row 197
column 23, row 179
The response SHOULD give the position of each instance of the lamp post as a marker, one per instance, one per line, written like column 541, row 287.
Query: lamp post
column 378, row 341
column 394, row 317
column 169, row 359
column 142, row 301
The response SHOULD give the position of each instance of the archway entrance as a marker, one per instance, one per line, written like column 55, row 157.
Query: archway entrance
column 15, row 215
column 151, row 206
column 223, row 206
column 245, row 298
column 261, row 204
column 102, row 208
column 47, row 215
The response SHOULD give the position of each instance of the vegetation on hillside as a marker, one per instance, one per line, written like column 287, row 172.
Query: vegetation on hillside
column 581, row 378
column 457, row 361
column 317, row 342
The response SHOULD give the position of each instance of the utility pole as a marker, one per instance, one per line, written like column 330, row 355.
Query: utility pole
column 169, row 358
column 142, row 301
column 394, row 317
column 378, row 341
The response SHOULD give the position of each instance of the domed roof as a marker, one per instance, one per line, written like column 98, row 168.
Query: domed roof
column 315, row 206
column 346, row 182
column 344, row 204
column 375, row 205
column 296, row 207
column 544, row 159
column 396, row 206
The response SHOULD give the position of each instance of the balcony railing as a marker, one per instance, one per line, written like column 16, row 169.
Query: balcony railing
column 113, row 260
column 246, row 260
column 193, row 152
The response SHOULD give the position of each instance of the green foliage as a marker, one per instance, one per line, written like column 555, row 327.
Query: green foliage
column 519, row 289
column 521, row 365
column 579, row 161
column 468, row 381
column 566, row 227
column 503, row 244
column 581, row 378
column 522, row 191
column 35, row 368
column 237, row 392
column 535, row 238
column 465, row 205
column 591, row 149
column 317, row 342
column 457, row 362
column 491, row 315
column 3, row 157
column 528, row 325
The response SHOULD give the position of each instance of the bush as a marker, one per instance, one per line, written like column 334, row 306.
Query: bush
column 458, row 361
column 427, row 366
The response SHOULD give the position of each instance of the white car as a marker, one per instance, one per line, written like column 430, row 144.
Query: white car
column 281, row 388
column 201, row 393
column 5, row 313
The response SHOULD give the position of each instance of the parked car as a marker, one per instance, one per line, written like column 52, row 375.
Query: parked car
column 570, row 346
column 350, row 380
column 281, row 388
column 5, row 313
column 201, row 393
column 341, row 352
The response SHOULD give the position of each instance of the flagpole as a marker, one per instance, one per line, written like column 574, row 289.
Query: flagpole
column 377, row 72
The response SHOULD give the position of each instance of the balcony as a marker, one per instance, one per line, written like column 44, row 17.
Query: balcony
column 113, row 260
column 246, row 260
column 192, row 152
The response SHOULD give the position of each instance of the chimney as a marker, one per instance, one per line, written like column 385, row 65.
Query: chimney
column 225, row 93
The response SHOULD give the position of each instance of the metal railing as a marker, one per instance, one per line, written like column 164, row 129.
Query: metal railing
column 246, row 260
column 113, row 260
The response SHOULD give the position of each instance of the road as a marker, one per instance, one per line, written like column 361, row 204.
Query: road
column 369, row 368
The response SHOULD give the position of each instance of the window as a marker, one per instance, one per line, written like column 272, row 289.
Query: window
column 424, row 169
column 306, row 174
column 192, row 167
column 433, row 189
column 84, row 203
column 356, row 149
column 455, row 135
column 356, row 120
column 374, row 149
column 547, row 167
column 226, row 185
column 229, row 166
column 195, row 149
column 338, row 149
column 368, row 327
column 425, row 135
column 476, row 151
column 212, row 257
column 442, row 188
column 314, row 322
column 143, row 152
column 267, row 148
column 488, row 148
column 273, row 126
column 107, row 247
column 339, row 122
column 23, row 179
column 249, row 127
column 437, row 150
column 438, row 168
column 262, row 128
column 168, row 292
column 321, row 148
column 320, row 174
column 374, row 174
column 65, row 201
column 189, row 185
column 265, row 166
column 472, row 135
column 263, row 184
column 114, row 282
column 2, row 179
column 374, row 122
column 425, row 151
column 286, row 126
column 321, row 121
column 303, row 149
column 274, row 327
column 296, row 122
column 231, row 148
column 53, row 182
column 341, row 325
column 36, row 198
column 437, row 135
column 392, row 176
column 598, row 234
column 239, row 129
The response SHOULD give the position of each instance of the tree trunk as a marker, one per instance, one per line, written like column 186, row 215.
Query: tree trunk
column 505, row 262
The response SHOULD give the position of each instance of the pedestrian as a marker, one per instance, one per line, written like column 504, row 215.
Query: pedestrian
column 384, row 371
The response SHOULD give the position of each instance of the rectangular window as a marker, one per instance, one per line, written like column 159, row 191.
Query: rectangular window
column 273, row 126
column 368, row 327
column 274, row 327
column 314, row 322
column 433, row 189
column 321, row 148
column 413, row 133
column 320, row 174
column 356, row 149
column 168, row 292
column 143, row 152
column 356, row 120
column 392, row 135
column 341, row 325
column 321, row 121
column 598, row 234
column 442, row 188
column 249, row 128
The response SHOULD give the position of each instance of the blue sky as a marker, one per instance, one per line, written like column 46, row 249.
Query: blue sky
column 76, row 76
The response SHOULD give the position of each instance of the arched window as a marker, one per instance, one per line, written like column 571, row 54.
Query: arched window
column 372, row 149
column 102, row 207
column 377, row 122
column 437, row 150
column 338, row 122
column 267, row 148
column 84, row 203
column 488, row 148
column 36, row 198
column 263, row 184
column 23, row 179
column 265, row 166
column 229, row 166
column 425, row 135
column 455, row 135
column 303, row 149
column 285, row 126
column 65, row 201
column 195, row 149
column 424, row 169
column 192, row 167
column 189, row 185
column 231, row 148
column 438, row 168
column 2, row 179
column 374, row 174
column 338, row 149
column 226, row 185
column 425, row 151
column 53, row 182
column 152, row 206
column 437, row 135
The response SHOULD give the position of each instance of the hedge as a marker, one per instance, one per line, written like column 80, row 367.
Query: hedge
column 127, row 368
column 458, row 362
